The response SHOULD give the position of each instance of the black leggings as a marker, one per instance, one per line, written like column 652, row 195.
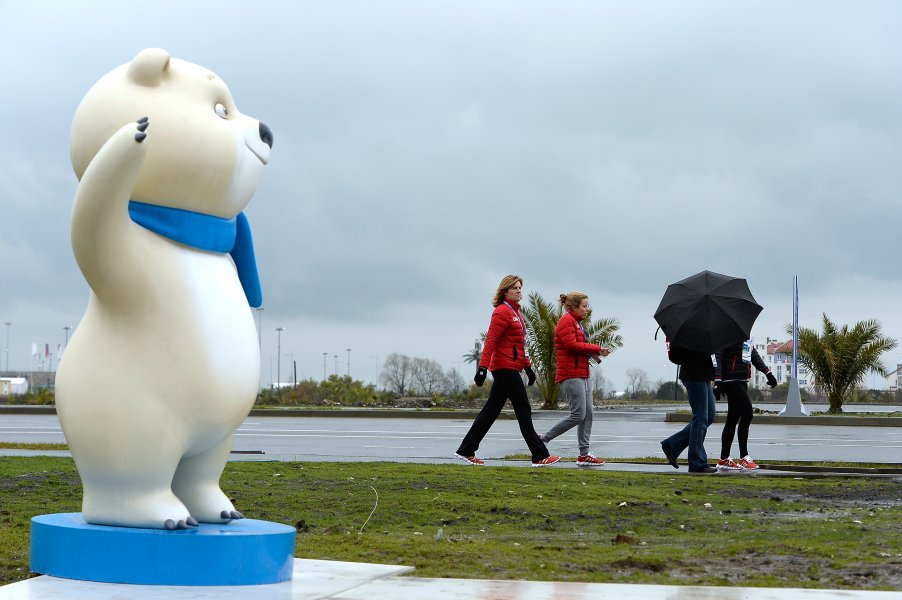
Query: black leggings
column 507, row 384
column 739, row 411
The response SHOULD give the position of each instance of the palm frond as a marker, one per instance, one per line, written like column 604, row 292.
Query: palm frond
column 841, row 357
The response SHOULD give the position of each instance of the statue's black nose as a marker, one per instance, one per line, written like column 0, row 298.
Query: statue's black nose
column 266, row 134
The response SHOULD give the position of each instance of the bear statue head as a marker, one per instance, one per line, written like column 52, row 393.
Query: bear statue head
column 203, row 155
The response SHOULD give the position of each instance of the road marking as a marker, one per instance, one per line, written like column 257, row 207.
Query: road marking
column 334, row 436
column 29, row 429
column 392, row 432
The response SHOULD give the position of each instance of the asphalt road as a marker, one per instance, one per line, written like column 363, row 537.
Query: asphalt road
column 616, row 434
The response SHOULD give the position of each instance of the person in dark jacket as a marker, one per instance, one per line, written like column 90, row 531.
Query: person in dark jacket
column 732, row 372
column 573, row 353
column 696, row 372
column 504, row 354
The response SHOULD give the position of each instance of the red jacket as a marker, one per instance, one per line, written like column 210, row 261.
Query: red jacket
column 571, row 349
column 505, row 340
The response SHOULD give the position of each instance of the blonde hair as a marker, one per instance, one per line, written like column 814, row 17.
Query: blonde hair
column 506, row 283
column 572, row 300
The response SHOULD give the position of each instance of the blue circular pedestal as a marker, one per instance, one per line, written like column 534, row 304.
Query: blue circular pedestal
column 243, row 552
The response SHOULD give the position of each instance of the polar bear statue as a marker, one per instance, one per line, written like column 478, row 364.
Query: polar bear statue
column 165, row 363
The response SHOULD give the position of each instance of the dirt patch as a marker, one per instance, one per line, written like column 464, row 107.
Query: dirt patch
column 820, row 571
column 889, row 495
column 32, row 481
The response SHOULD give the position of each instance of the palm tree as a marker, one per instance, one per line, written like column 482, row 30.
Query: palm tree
column 839, row 358
column 541, row 319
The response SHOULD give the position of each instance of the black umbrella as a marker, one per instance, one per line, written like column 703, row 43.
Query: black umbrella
column 707, row 312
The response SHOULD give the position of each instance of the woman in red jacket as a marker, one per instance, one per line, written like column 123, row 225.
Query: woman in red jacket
column 573, row 354
column 504, row 355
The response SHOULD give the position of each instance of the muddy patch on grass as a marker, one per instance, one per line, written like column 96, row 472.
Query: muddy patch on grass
column 32, row 481
column 816, row 569
column 888, row 495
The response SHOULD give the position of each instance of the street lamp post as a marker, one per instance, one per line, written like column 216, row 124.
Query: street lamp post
column 336, row 364
column 325, row 354
column 349, row 362
column 7, row 323
column 376, row 356
column 279, row 330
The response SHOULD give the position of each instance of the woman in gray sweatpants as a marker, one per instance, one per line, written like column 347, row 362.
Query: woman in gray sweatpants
column 573, row 353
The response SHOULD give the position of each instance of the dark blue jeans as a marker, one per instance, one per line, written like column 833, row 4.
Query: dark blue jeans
column 701, row 401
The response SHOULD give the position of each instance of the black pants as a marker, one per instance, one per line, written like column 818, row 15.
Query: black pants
column 507, row 384
column 739, row 412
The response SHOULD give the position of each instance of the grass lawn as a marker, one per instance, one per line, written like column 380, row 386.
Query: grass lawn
column 540, row 524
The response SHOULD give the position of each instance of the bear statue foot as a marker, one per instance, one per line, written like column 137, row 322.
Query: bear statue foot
column 231, row 515
column 188, row 523
column 143, row 122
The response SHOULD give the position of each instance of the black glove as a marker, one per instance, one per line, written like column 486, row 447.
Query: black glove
column 717, row 390
column 481, row 374
column 771, row 380
column 530, row 376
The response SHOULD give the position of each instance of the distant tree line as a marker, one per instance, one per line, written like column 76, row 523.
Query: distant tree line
column 405, row 376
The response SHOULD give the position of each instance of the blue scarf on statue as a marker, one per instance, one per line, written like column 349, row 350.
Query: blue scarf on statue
column 206, row 232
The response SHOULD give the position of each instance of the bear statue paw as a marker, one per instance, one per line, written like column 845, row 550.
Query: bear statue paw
column 231, row 515
column 143, row 122
column 188, row 523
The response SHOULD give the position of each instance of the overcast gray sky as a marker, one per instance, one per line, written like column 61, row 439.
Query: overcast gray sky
column 423, row 149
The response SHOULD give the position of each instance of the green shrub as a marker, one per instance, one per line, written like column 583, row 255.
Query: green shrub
column 335, row 391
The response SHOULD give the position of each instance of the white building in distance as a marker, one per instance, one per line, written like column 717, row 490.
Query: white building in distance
column 778, row 358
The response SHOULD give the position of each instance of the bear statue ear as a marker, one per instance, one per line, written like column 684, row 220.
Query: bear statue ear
column 148, row 66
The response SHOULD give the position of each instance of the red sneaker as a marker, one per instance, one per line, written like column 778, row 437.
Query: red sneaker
column 546, row 461
column 472, row 460
column 728, row 464
column 588, row 460
column 746, row 462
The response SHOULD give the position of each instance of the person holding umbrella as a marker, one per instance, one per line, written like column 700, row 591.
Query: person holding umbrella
column 701, row 315
column 504, row 354
column 696, row 373
column 731, row 379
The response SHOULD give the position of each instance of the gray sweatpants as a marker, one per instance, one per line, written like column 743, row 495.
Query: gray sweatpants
column 578, row 393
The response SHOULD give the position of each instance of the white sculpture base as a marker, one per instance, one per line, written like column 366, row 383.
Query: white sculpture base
column 794, row 406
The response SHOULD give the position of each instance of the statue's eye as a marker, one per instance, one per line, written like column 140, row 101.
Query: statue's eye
column 221, row 110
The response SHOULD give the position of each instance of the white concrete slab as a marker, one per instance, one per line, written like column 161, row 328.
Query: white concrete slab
column 362, row 581
column 311, row 579
column 409, row 588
